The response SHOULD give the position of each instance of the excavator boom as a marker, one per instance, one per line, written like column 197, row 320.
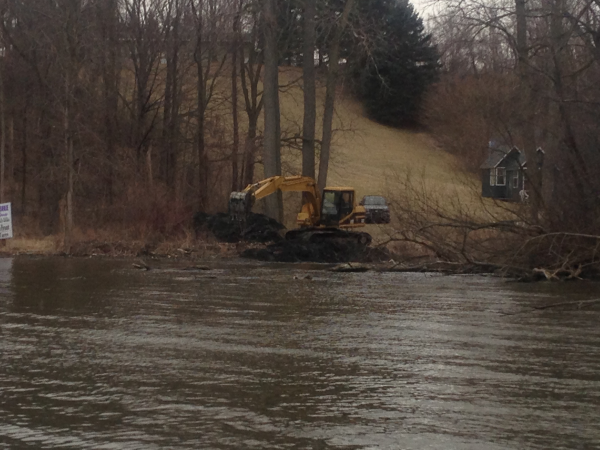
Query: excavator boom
column 319, row 219
column 240, row 203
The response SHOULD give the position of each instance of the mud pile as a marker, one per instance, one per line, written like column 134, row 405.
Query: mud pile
column 257, row 228
column 297, row 250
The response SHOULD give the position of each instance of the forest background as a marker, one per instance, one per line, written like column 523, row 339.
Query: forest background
column 130, row 115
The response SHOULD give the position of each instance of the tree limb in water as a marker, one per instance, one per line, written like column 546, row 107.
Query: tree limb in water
column 578, row 303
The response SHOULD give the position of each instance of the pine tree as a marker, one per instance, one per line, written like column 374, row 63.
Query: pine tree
column 394, row 73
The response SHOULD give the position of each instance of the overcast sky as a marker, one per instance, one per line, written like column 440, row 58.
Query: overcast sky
column 422, row 6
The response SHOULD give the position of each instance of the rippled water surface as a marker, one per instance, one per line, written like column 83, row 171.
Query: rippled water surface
column 96, row 354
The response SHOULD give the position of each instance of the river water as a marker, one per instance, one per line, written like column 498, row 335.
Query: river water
column 98, row 355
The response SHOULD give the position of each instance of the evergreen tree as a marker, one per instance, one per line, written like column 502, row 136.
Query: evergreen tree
column 394, row 72
column 390, row 57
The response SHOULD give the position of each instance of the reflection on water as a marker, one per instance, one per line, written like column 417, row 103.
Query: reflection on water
column 98, row 355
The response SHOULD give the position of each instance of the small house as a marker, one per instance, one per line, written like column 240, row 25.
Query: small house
column 503, row 175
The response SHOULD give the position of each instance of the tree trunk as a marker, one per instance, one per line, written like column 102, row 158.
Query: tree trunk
column 310, row 105
column 575, row 161
column 2, row 140
column 206, row 52
column 24, row 165
column 150, row 176
column 534, row 179
column 250, row 76
column 250, row 150
column 202, row 163
column 68, row 237
column 2, row 144
column 272, row 143
column 110, row 75
column 234, row 100
column 166, row 152
column 11, row 146
column 169, row 150
column 201, row 111
column 332, row 76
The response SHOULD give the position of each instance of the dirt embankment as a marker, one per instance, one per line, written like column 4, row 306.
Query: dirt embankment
column 218, row 235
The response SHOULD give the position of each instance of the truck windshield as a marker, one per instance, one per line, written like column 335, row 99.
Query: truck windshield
column 375, row 201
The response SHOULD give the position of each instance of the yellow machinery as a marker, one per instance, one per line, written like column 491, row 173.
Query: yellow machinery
column 323, row 217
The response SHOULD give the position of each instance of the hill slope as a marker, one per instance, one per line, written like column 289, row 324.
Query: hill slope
column 370, row 156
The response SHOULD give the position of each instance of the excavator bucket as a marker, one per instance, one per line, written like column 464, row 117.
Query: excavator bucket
column 240, row 205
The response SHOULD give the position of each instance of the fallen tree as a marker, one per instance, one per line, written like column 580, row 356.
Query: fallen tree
column 475, row 234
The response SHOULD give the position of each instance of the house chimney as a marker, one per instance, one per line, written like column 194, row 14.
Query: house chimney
column 539, row 153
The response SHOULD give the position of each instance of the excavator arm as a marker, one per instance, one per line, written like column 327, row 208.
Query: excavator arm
column 240, row 203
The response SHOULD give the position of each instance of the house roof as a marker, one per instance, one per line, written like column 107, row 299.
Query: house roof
column 499, row 154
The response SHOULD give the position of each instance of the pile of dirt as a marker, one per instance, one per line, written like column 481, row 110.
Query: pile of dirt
column 257, row 227
column 327, row 251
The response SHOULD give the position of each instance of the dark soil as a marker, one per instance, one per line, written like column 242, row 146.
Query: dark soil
column 296, row 250
column 330, row 251
column 257, row 228
column 262, row 229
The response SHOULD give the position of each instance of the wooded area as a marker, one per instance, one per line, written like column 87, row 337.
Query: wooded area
column 525, row 74
column 133, row 114
column 521, row 74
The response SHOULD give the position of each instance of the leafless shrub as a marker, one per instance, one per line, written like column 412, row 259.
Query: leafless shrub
column 465, row 112
column 487, row 235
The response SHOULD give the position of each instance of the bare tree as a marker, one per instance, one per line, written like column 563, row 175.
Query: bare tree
column 235, row 50
column 331, row 86
column 2, row 137
column 272, row 143
column 172, row 92
column 310, row 102
column 143, row 35
column 110, row 66
column 207, row 20
column 70, row 59
column 251, row 66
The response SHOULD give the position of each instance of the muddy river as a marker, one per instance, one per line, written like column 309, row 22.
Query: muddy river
column 99, row 355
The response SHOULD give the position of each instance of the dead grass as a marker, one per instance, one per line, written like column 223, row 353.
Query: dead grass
column 367, row 155
column 29, row 245
column 376, row 159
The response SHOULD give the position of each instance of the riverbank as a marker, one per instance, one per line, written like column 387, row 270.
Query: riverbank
column 208, row 248
column 183, row 248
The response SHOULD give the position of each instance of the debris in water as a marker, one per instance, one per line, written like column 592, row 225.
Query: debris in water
column 331, row 250
column 196, row 267
column 351, row 267
column 141, row 265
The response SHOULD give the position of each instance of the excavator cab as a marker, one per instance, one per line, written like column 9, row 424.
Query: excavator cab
column 337, row 204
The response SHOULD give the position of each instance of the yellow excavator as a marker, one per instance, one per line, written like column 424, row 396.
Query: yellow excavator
column 333, row 215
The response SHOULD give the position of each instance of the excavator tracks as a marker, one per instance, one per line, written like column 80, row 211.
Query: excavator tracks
column 317, row 235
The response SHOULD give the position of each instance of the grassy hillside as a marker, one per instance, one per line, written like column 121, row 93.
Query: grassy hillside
column 372, row 157
column 365, row 154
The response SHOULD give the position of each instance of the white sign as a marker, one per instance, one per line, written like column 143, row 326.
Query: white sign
column 6, row 231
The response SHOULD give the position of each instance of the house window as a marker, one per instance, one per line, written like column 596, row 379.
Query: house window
column 500, row 176
column 515, row 180
column 492, row 177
